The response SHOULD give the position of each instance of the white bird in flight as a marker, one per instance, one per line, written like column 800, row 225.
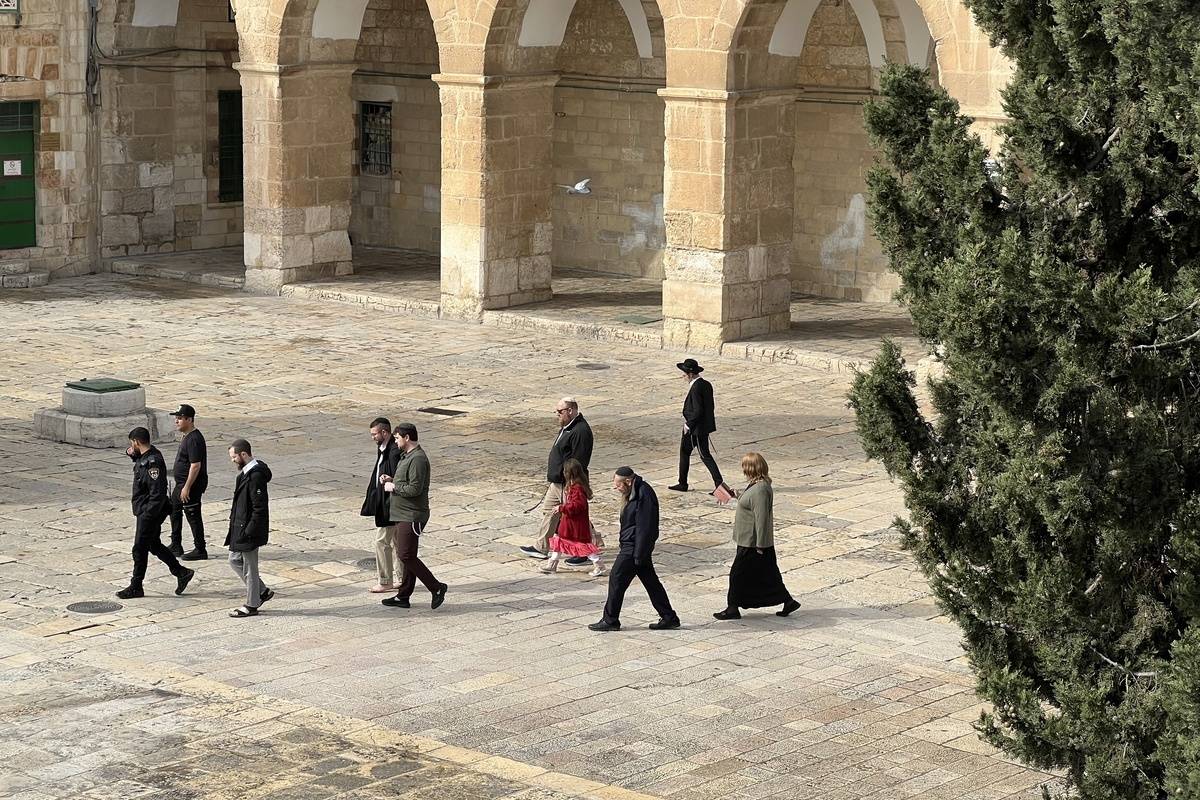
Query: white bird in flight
column 579, row 188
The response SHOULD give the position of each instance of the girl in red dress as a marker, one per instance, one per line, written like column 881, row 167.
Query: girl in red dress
column 574, row 536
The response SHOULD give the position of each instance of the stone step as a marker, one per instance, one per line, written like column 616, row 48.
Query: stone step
column 27, row 280
column 14, row 266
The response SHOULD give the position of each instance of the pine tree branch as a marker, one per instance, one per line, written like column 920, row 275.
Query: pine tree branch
column 1191, row 337
column 1191, row 307
column 1095, row 162
column 1122, row 667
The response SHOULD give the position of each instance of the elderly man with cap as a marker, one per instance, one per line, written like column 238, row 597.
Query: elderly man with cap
column 191, row 479
column 639, row 532
column 699, row 420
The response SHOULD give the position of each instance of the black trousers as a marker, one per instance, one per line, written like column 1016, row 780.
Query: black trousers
column 191, row 510
column 147, row 539
column 697, row 441
column 408, row 538
column 624, row 570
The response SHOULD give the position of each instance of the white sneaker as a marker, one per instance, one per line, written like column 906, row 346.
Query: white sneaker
column 598, row 571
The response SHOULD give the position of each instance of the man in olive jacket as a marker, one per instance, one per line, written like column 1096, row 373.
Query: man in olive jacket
column 409, row 504
column 249, row 523
column 639, row 532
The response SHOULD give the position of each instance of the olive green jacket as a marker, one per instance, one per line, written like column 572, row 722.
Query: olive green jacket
column 410, row 501
column 754, row 521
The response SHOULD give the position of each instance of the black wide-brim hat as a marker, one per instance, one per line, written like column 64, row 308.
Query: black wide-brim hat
column 690, row 365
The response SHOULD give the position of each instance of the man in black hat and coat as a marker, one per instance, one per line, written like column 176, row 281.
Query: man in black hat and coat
column 249, row 525
column 639, row 532
column 699, row 421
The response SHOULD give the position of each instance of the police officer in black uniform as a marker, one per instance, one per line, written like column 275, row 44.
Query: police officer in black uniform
column 150, row 508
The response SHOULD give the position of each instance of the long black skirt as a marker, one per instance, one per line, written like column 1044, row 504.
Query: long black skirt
column 754, row 580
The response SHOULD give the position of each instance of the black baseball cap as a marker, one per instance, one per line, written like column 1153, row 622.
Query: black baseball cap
column 184, row 411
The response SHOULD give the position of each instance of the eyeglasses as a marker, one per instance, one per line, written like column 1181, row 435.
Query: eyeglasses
column 561, row 410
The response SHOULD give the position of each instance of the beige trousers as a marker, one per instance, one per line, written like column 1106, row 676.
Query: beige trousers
column 387, row 557
column 549, row 524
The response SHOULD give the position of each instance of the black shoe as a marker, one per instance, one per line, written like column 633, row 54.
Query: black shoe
column 533, row 552
column 664, row 624
column 729, row 613
column 788, row 608
column 439, row 597
column 679, row 487
column 130, row 592
column 176, row 549
column 577, row 561
column 604, row 625
column 396, row 602
column 183, row 580
column 265, row 596
column 195, row 555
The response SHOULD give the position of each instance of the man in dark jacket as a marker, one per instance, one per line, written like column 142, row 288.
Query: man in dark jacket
column 249, row 523
column 150, row 507
column 699, row 420
column 376, row 505
column 639, row 532
column 574, row 440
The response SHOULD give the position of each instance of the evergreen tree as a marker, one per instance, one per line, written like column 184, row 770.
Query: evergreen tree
column 1054, row 492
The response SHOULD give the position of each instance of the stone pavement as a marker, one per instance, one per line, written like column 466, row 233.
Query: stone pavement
column 832, row 335
column 862, row 694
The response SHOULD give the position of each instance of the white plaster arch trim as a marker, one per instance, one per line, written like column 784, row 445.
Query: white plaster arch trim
column 155, row 13
column 792, row 28
column 916, row 32
column 338, row 19
column 545, row 24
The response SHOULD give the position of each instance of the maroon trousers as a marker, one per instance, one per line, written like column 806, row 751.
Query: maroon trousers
column 408, row 537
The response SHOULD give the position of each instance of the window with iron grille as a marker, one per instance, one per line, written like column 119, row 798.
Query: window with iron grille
column 375, row 149
column 229, row 147
column 19, row 116
column 10, row 6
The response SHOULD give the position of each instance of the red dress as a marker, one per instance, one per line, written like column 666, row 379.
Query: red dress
column 574, row 536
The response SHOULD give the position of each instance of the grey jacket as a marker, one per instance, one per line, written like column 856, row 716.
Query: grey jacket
column 410, row 501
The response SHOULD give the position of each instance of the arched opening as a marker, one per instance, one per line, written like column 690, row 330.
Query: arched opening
column 608, row 127
column 588, row 72
column 830, row 52
column 397, row 144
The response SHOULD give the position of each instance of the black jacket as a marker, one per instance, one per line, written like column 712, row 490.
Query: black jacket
column 249, row 519
column 376, row 504
column 574, row 441
column 699, row 408
column 639, row 522
column 150, row 500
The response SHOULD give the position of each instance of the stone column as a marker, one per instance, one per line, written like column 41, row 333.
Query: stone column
column 729, row 190
column 298, row 131
column 496, row 184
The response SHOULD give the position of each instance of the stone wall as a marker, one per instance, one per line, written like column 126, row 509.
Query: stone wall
column 834, row 252
column 616, row 139
column 159, row 174
column 42, row 59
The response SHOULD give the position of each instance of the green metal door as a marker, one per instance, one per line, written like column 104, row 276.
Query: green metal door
column 18, row 197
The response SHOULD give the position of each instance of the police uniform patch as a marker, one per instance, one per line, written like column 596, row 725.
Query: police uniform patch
column 154, row 473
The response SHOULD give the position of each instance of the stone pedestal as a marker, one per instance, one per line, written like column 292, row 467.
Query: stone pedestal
column 100, row 413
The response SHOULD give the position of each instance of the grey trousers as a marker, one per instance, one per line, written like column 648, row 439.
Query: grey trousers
column 245, row 566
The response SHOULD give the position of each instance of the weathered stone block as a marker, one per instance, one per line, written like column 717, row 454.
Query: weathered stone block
column 14, row 267
column 104, row 404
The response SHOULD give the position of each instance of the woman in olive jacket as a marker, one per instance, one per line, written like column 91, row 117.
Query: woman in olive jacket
column 754, row 579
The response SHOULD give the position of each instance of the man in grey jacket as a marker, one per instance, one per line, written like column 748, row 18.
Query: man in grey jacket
column 574, row 440
column 409, row 512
